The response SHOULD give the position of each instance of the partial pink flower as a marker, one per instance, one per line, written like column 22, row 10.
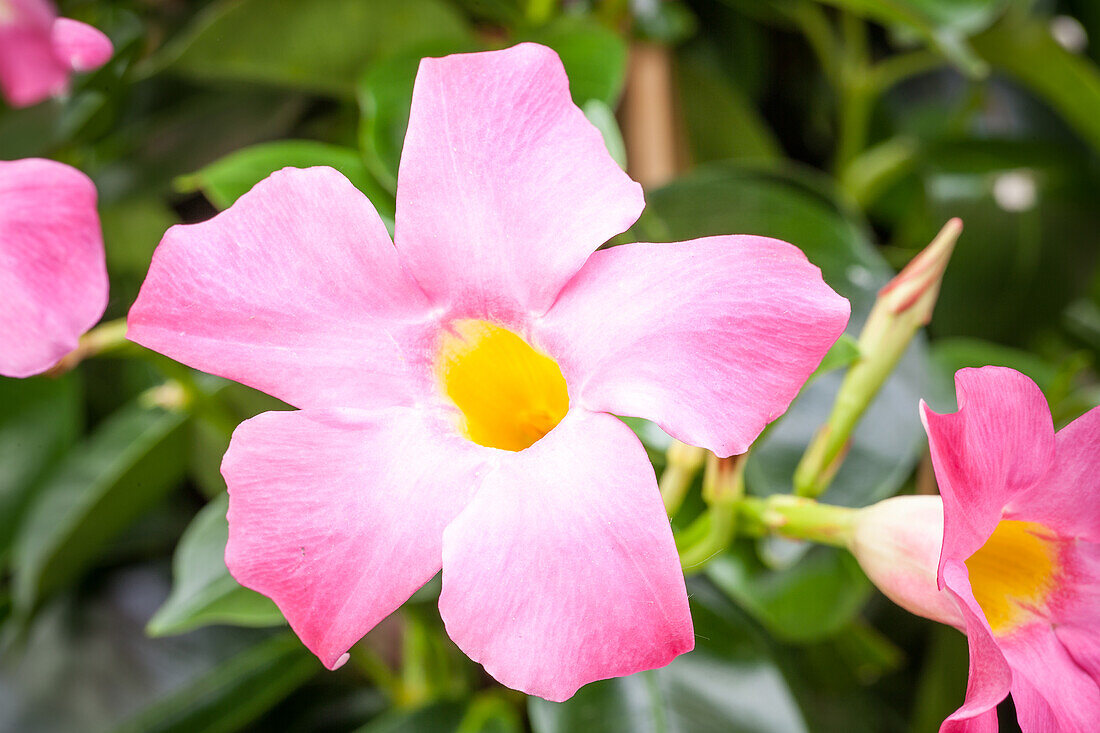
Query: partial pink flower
column 1011, row 556
column 457, row 386
column 38, row 51
column 53, row 275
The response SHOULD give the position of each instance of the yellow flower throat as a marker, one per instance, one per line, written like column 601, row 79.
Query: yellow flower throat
column 509, row 395
column 1013, row 573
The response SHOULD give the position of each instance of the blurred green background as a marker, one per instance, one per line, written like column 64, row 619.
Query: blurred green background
column 852, row 128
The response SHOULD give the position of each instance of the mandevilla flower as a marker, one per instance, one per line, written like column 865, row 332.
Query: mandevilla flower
column 457, row 386
column 1010, row 556
column 39, row 51
column 53, row 275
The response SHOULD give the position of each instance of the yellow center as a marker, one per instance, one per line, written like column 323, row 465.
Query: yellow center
column 509, row 394
column 1012, row 573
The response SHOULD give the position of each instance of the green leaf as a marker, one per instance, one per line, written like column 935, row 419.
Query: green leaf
column 603, row 117
column 730, row 683
column 121, row 470
column 438, row 717
column 594, row 57
column 945, row 24
column 813, row 599
column 203, row 591
column 320, row 45
column 233, row 694
column 722, row 121
column 841, row 354
column 227, row 179
column 1023, row 48
column 39, row 419
column 385, row 97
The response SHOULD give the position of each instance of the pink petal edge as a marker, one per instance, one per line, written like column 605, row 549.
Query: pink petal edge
column 337, row 515
column 562, row 570
column 80, row 46
column 712, row 338
column 53, row 273
column 997, row 445
column 505, row 188
column 295, row 290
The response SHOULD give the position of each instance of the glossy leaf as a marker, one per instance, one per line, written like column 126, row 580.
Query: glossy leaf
column 594, row 57
column 225, row 180
column 1024, row 49
column 203, row 591
column 321, row 45
column 729, row 684
column 39, row 419
column 811, row 600
column 123, row 468
column 233, row 694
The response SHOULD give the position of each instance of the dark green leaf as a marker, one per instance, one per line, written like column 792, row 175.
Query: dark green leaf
column 811, row 600
column 225, row 180
column 102, row 485
column 722, row 121
column 728, row 684
column 439, row 717
column 594, row 57
column 39, row 419
column 1024, row 49
column 234, row 694
column 841, row 354
column 385, row 96
column 203, row 591
column 321, row 45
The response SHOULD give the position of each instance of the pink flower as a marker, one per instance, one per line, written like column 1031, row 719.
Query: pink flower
column 53, row 276
column 457, row 389
column 1011, row 556
column 39, row 51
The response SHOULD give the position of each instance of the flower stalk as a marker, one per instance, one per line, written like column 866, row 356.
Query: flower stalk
column 797, row 518
column 683, row 463
column 723, row 490
column 902, row 308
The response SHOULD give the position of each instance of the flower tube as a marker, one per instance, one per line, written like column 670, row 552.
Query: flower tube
column 1010, row 556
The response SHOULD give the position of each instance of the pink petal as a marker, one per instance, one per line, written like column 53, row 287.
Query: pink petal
column 1051, row 692
column 295, row 290
column 563, row 570
column 998, row 444
column 1067, row 499
column 990, row 675
column 29, row 69
column 53, row 276
column 504, row 187
column 1076, row 614
column 337, row 515
column 711, row 338
column 81, row 46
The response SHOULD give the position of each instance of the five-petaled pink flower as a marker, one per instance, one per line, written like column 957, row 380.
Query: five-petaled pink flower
column 39, row 51
column 1011, row 556
column 53, row 276
column 457, row 386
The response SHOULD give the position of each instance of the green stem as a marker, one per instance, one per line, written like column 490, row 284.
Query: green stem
column 797, row 518
column 108, row 337
column 711, row 534
column 896, row 69
column 682, row 465
column 371, row 665
column 857, row 93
